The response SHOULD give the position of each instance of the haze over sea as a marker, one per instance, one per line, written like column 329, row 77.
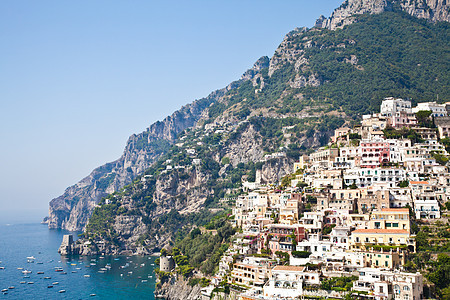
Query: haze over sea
column 83, row 279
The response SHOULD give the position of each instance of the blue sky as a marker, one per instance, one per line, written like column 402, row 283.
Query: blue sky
column 77, row 78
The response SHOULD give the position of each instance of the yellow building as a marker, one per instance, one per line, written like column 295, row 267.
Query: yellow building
column 390, row 218
column 364, row 239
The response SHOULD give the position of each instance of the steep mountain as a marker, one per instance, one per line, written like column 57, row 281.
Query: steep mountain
column 317, row 80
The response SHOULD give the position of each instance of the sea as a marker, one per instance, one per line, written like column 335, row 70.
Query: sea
column 53, row 276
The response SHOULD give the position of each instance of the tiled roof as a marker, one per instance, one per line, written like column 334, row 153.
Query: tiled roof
column 381, row 231
column 418, row 182
column 289, row 268
column 395, row 209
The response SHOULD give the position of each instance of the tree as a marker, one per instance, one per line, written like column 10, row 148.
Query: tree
column 423, row 118
column 403, row 184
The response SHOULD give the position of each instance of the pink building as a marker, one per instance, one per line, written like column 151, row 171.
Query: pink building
column 374, row 153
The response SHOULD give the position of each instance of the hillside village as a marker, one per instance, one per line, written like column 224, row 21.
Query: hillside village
column 355, row 219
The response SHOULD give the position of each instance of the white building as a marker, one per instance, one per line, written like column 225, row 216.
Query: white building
column 389, row 285
column 437, row 110
column 390, row 106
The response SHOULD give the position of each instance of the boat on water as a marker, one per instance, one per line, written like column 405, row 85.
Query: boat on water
column 31, row 259
column 11, row 287
column 26, row 276
column 55, row 283
column 23, row 282
column 19, row 268
column 87, row 276
column 47, row 277
column 40, row 263
column 4, row 290
column 30, row 282
column 74, row 271
column 61, row 291
column 40, row 272
column 49, row 286
column 26, row 271
column 93, row 295
column 58, row 269
column 2, row 268
column 144, row 280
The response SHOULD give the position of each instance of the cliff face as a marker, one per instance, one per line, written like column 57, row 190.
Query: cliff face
column 433, row 10
column 72, row 210
column 178, row 289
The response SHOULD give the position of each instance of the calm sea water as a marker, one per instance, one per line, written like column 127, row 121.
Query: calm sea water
column 108, row 277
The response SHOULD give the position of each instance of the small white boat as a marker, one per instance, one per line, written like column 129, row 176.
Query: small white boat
column 19, row 268
column 55, row 283
column 2, row 268
column 61, row 291
column 31, row 259
column 47, row 277
column 26, row 271
column 144, row 280
column 92, row 295
column 30, row 282
column 23, row 282
column 11, row 287
column 4, row 290
column 87, row 276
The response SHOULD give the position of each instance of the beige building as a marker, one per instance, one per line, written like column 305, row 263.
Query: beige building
column 289, row 212
column 443, row 125
column 371, row 200
column 383, row 259
column 324, row 155
column 344, row 199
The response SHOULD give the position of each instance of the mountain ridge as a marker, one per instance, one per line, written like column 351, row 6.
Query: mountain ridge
column 287, row 85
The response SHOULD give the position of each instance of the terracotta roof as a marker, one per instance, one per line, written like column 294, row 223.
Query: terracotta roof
column 289, row 268
column 395, row 209
column 382, row 231
column 418, row 182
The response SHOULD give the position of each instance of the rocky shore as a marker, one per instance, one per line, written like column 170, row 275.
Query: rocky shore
column 178, row 289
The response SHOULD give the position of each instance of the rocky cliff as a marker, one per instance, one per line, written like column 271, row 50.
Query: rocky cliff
column 433, row 10
column 72, row 210
column 178, row 289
